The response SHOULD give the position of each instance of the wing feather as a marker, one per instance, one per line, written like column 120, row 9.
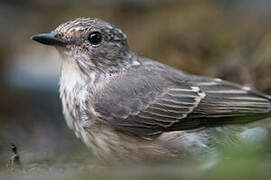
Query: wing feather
column 155, row 102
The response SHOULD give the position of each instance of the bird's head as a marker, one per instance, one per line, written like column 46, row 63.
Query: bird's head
column 90, row 43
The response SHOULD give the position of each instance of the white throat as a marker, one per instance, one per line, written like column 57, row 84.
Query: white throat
column 70, row 76
column 72, row 82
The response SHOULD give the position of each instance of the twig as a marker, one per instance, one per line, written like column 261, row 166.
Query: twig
column 14, row 162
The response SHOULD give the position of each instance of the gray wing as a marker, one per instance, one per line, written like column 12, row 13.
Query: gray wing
column 148, row 101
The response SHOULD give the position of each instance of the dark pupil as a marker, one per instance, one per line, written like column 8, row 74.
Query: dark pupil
column 95, row 38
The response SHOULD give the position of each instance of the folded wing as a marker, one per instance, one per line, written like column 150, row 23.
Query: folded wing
column 153, row 103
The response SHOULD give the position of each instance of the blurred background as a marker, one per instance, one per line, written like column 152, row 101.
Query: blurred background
column 230, row 39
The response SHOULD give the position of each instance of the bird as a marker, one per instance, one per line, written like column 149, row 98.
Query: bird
column 130, row 108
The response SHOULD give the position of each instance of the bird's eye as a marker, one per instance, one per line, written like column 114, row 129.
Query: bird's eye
column 95, row 38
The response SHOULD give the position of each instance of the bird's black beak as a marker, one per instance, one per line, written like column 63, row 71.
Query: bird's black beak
column 49, row 39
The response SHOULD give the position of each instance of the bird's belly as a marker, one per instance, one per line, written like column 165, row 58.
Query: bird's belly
column 111, row 146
